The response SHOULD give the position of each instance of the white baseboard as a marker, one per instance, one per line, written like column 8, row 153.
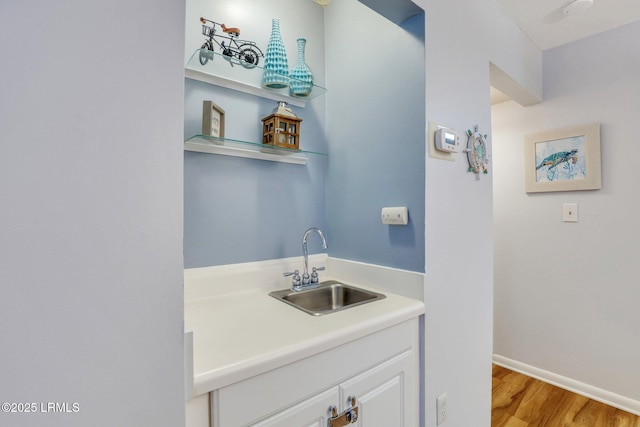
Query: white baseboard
column 574, row 386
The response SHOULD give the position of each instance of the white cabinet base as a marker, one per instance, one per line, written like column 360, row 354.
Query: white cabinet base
column 380, row 369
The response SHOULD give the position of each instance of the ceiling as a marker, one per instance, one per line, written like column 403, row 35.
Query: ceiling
column 547, row 26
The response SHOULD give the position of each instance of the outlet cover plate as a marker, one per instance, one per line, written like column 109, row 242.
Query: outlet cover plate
column 441, row 408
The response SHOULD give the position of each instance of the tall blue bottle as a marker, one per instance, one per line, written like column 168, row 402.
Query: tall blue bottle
column 276, row 67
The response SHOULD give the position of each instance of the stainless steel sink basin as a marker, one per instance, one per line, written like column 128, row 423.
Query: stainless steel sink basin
column 329, row 297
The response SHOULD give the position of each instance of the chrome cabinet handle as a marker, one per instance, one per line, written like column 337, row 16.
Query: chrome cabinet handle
column 349, row 416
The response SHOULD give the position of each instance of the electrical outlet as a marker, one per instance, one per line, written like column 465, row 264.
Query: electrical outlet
column 395, row 216
column 441, row 408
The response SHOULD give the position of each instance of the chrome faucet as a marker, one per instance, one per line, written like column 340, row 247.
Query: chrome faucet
column 308, row 280
column 313, row 279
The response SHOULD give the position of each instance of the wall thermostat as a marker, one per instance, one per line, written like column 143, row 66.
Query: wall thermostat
column 447, row 140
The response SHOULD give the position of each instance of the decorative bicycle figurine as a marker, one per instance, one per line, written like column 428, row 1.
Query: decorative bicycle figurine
column 245, row 51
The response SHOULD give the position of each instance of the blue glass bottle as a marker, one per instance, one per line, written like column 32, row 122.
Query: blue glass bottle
column 301, row 78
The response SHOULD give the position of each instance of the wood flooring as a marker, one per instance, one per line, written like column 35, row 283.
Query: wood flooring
column 521, row 401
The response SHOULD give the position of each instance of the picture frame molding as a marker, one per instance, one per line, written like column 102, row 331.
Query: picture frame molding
column 593, row 180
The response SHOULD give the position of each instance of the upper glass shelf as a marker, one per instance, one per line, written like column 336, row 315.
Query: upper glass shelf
column 223, row 71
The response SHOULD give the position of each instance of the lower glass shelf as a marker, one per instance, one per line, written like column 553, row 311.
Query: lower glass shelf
column 251, row 150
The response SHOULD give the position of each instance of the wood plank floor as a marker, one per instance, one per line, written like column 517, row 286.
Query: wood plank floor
column 521, row 401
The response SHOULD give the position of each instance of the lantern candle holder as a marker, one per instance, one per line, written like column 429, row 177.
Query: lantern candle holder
column 281, row 128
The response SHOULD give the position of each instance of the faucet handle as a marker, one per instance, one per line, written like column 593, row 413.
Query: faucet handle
column 296, row 281
column 291, row 273
column 314, row 274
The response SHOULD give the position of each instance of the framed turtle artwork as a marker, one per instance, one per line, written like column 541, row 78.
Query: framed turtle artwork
column 563, row 160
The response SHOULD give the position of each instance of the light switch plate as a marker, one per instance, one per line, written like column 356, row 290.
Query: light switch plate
column 570, row 212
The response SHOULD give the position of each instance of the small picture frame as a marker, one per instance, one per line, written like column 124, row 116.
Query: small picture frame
column 212, row 119
column 563, row 160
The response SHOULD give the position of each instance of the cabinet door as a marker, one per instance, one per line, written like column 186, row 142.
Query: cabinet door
column 387, row 394
column 313, row 412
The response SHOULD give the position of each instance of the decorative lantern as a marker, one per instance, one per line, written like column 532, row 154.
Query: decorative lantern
column 281, row 128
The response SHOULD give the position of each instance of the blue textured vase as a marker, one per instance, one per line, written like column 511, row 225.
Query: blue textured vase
column 300, row 78
column 276, row 67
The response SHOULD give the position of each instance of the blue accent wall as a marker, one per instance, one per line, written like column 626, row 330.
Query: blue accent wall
column 376, row 133
column 371, row 123
column 241, row 210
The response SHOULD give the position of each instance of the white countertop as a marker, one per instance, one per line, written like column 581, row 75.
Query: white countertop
column 239, row 335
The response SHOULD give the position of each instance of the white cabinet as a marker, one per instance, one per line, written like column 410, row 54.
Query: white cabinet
column 380, row 398
column 381, row 370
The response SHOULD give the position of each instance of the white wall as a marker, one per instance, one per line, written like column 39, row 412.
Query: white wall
column 566, row 294
column 91, row 211
column 462, row 38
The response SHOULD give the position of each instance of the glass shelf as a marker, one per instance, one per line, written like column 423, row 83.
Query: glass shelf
column 246, row 149
column 225, row 72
